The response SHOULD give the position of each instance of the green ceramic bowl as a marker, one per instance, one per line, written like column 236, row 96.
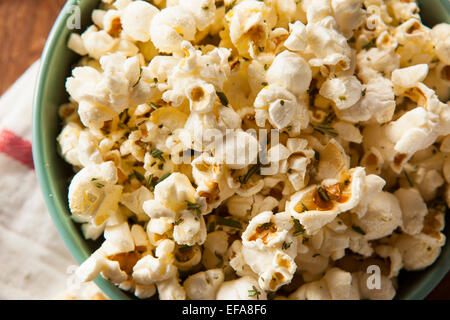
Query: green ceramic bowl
column 54, row 174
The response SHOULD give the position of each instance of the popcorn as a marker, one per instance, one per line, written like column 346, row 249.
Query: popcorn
column 348, row 14
column 203, row 285
column 335, row 285
column 280, row 105
column 383, row 216
column 314, row 207
column 290, row 71
column 137, row 18
column 440, row 34
column 386, row 291
column 249, row 23
column 93, row 192
column 344, row 92
column 269, row 250
column 103, row 95
column 169, row 27
column 151, row 269
column 328, row 46
column 228, row 150
column 409, row 77
column 419, row 251
column 413, row 209
column 297, row 40
column 244, row 288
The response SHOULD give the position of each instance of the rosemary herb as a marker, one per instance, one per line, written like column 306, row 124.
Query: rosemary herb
column 192, row 206
column 359, row 230
column 408, row 178
column 177, row 222
column 138, row 175
column 254, row 292
column 158, row 154
column 228, row 222
column 323, row 194
column 286, row 245
column 253, row 169
column 223, row 98
column 299, row 229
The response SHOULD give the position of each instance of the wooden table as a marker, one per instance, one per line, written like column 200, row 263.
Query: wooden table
column 24, row 26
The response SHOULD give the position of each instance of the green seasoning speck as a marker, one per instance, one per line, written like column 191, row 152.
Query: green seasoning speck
column 364, row 92
column 266, row 67
column 177, row 222
column 184, row 248
column 408, row 178
column 253, row 169
column 359, row 230
column 229, row 7
column 158, row 154
column 99, row 185
column 254, row 292
column 149, row 182
column 368, row 45
column 211, row 227
column 228, row 222
column 323, row 194
column 139, row 175
column 192, row 206
column 342, row 98
column 286, row 245
column 223, row 98
column 220, row 257
column 325, row 129
column 264, row 84
column 282, row 102
column 299, row 229
column 265, row 226
column 305, row 208
column 164, row 177
column 155, row 106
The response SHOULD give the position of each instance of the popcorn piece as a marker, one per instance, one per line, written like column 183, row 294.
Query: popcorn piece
column 413, row 209
column 335, row 285
column 349, row 15
column 344, row 92
column 382, row 218
column 290, row 71
column 171, row 289
column 419, row 251
column 203, row 285
column 137, row 18
column 249, row 24
column 244, row 288
column 170, row 27
column 316, row 206
column 93, row 192
column 150, row 270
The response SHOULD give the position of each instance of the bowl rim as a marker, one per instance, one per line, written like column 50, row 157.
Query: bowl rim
column 40, row 158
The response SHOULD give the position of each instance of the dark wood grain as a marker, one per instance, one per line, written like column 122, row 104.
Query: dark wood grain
column 24, row 27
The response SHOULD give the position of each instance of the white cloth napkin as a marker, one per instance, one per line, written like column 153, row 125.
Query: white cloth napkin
column 34, row 262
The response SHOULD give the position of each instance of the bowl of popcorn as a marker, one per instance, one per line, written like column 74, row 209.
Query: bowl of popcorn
column 274, row 149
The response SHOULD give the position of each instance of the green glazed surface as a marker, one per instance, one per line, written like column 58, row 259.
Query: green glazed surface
column 54, row 174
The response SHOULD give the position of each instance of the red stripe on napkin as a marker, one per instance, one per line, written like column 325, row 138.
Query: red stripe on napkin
column 16, row 147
